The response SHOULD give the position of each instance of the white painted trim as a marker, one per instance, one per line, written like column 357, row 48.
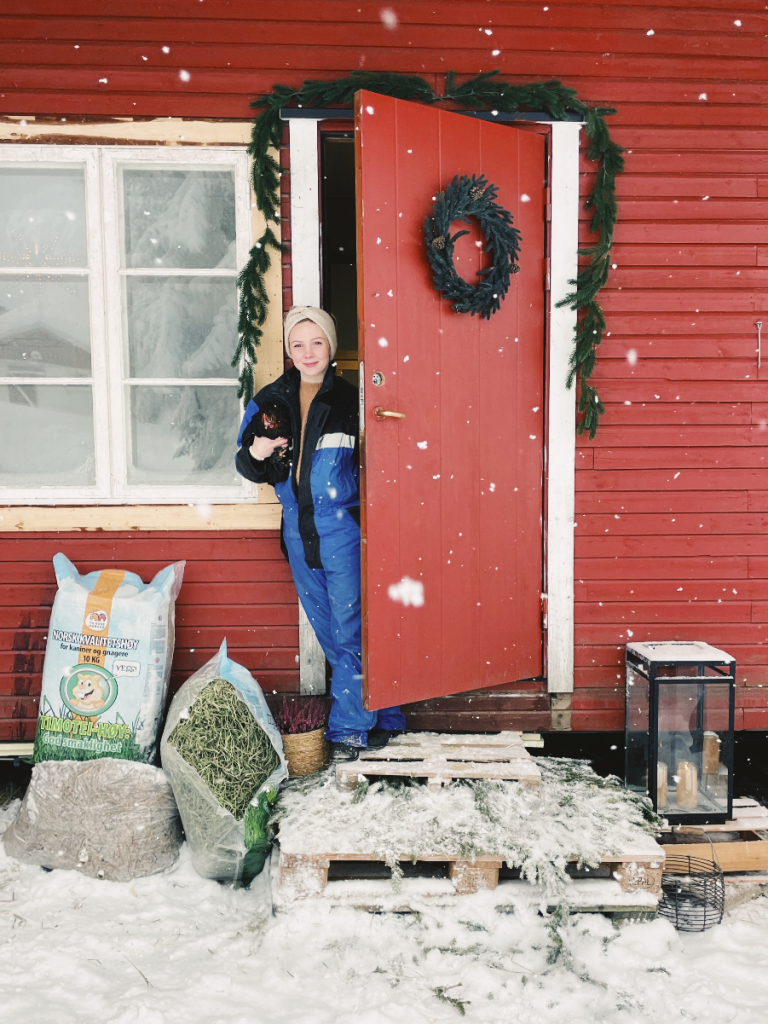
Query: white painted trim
column 305, row 276
column 311, row 655
column 88, row 159
column 104, row 275
column 305, row 213
column 113, row 158
column 561, row 446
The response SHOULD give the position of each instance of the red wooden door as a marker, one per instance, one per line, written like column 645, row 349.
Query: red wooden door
column 452, row 509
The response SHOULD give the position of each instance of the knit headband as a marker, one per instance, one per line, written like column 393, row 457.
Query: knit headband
column 318, row 316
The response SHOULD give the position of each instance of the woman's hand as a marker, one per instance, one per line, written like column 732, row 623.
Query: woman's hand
column 263, row 447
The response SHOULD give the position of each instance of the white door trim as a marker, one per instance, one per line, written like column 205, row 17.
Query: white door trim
column 561, row 445
column 561, row 455
column 305, row 276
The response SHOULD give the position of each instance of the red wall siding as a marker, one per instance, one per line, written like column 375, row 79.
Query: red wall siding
column 236, row 585
column 674, row 491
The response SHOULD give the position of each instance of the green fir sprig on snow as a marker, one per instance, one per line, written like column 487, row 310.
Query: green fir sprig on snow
column 484, row 90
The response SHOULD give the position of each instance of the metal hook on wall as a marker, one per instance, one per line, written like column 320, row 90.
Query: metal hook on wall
column 759, row 326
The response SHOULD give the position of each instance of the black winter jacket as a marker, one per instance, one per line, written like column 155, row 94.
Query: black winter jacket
column 332, row 423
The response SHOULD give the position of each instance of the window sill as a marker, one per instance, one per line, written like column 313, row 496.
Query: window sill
column 119, row 518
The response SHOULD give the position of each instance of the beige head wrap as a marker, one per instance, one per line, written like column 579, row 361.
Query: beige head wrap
column 318, row 316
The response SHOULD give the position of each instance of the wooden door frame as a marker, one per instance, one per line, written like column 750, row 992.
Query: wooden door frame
column 560, row 448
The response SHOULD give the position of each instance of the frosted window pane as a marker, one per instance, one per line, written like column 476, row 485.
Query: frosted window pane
column 182, row 435
column 44, row 326
column 181, row 326
column 42, row 217
column 47, row 433
column 178, row 218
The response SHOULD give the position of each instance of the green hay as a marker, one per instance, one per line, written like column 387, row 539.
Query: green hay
column 226, row 746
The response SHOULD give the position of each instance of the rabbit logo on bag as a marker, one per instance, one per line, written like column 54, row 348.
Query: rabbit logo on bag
column 97, row 621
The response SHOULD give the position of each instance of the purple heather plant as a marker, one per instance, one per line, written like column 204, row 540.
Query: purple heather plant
column 301, row 714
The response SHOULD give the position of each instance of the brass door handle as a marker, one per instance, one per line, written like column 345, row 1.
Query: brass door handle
column 381, row 414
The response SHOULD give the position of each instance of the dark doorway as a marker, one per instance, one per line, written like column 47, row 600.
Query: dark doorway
column 338, row 238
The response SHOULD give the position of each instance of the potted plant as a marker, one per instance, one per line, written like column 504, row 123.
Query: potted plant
column 302, row 722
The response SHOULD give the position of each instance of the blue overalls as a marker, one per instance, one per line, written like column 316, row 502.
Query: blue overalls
column 330, row 593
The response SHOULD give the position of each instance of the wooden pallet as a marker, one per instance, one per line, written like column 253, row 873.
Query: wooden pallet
column 440, row 758
column 634, row 873
column 750, row 853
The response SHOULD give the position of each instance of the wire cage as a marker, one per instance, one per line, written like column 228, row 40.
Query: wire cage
column 692, row 893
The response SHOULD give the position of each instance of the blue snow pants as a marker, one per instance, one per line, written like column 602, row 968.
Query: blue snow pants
column 331, row 598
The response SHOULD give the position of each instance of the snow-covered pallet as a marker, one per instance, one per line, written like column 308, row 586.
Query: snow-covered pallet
column 628, row 883
column 441, row 758
column 747, row 853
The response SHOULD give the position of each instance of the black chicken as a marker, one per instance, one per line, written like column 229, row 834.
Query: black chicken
column 272, row 420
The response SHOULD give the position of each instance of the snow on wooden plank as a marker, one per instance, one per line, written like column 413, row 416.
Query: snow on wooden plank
column 441, row 759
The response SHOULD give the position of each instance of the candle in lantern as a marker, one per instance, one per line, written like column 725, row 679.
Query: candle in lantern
column 687, row 785
column 711, row 754
column 662, row 774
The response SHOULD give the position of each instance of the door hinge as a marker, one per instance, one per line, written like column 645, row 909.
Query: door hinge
column 547, row 273
column 548, row 204
column 544, row 610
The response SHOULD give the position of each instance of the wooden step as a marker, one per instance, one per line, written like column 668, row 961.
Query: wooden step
column 441, row 758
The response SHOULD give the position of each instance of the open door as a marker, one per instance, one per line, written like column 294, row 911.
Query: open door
column 452, row 493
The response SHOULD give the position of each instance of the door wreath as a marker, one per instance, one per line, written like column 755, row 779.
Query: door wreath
column 467, row 197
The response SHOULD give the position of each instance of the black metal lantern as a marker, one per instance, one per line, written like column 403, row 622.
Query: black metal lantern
column 679, row 729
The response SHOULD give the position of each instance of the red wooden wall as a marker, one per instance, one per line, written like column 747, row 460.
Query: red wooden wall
column 673, row 493
column 236, row 585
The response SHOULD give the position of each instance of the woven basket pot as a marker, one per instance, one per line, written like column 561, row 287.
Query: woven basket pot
column 306, row 752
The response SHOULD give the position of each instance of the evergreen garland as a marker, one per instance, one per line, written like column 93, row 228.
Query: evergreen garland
column 469, row 197
column 484, row 90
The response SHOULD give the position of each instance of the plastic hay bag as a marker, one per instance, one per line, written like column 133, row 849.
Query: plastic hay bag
column 230, row 847
column 105, row 818
column 107, row 664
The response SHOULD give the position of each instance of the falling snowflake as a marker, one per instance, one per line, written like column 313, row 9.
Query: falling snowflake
column 408, row 592
column 184, row 76
column 389, row 18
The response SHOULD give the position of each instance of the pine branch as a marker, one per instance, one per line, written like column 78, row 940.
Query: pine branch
column 484, row 90
column 254, row 305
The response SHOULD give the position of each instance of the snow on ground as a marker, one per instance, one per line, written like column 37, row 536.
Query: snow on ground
column 178, row 949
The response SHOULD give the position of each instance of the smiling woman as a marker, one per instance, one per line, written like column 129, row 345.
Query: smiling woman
column 321, row 515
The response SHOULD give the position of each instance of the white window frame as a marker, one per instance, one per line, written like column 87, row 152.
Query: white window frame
column 107, row 380
column 87, row 156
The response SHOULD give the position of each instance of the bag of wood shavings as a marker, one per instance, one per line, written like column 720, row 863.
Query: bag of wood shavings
column 104, row 818
column 224, row 757
column 107, row 664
